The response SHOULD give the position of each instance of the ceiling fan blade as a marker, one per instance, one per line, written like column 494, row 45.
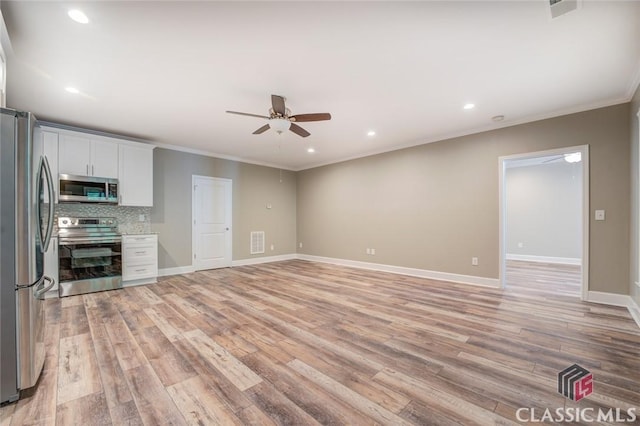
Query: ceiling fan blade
column 299, row 130
column 262, row 129
column 248, row 115
column 320, row 116
column 278, row 104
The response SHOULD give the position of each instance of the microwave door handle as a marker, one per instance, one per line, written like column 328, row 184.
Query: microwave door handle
column 50, row 188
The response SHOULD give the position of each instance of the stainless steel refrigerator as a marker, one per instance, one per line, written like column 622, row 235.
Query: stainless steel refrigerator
column 26, row 224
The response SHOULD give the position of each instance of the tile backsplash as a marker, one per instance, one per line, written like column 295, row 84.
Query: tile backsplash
column 128, row 217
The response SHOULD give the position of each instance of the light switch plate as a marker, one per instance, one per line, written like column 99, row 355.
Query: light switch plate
column 599, row 214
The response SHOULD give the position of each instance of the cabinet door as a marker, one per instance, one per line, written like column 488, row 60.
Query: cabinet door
column 136, row 176
column 50, row 140
column 104, row 159
column 74, row 155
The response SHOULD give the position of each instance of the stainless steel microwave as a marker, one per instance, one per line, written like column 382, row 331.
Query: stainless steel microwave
column 87, row 189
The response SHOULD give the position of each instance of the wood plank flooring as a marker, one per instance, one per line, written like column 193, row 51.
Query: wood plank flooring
column 544, row 278
column 304, row 343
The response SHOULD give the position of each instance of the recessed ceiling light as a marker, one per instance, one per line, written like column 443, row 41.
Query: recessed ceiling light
column 371, row 133
column 497, row 117
column 72, row 90
column 311, row 150
column 78, row 16
column 469, row 106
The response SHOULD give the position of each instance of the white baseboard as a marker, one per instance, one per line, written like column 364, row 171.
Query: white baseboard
column 422, row 273
column 634, row 310
column 264, row 259
column 544, row 259
column 178, row 270
column 612, row 299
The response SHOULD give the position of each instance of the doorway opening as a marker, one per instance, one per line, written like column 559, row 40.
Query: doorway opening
column 544, row 221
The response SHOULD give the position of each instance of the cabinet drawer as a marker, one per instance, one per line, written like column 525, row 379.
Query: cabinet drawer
column 136, row 272
column 140, row 239
column 140, row 254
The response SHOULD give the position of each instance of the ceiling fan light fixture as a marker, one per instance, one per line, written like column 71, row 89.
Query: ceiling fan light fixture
column 279, row 124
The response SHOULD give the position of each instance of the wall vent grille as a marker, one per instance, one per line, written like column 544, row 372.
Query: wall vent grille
column 257, row 242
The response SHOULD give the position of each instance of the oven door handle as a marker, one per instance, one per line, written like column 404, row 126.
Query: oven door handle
column 68, row 241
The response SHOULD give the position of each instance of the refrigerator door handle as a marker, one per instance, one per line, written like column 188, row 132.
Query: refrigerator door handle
column 47, row 237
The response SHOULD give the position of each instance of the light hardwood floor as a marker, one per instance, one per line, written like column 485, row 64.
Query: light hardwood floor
column 550, row 279
column 302, row 343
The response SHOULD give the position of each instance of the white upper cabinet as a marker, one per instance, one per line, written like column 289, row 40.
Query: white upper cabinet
column 104, row 159
column 73, row 152
column 135, row 175
column 86, row 156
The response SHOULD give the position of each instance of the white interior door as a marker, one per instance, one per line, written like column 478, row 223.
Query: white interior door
column 211, row 222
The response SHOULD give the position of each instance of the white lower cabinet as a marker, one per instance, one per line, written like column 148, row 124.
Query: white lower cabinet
column 139, row 259
column 51, row 266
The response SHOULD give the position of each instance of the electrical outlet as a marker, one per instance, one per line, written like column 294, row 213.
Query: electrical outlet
column 300, row 245
column 273, row 247
column 599, row 214
column 474, row 261
column 520, row 245
column 373, row 251
column 368, row 251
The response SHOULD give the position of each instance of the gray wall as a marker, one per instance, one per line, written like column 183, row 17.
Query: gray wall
column 435, row 206
column 544, row 210
column 253, row 187
column 635, row 194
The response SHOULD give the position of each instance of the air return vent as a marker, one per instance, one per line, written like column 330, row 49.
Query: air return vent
column 560, row 7
column 257, row 242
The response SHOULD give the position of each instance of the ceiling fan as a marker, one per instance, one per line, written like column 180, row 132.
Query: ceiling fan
column 280, row 118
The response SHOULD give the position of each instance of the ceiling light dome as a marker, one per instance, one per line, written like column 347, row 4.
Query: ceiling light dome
column 78, row 16
column 574, row 157
column 279, row 124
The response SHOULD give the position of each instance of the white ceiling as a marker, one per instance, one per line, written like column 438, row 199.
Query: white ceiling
column 167, row 71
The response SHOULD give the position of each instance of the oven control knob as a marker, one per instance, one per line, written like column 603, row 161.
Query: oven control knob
column 65, row 221
column 110, row 222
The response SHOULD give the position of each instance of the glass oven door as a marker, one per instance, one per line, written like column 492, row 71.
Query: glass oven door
column 89, row 265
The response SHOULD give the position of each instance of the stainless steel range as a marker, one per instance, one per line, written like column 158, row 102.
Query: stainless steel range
column 90, row 255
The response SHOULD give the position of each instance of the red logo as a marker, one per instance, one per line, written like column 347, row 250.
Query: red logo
column 575, row 382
